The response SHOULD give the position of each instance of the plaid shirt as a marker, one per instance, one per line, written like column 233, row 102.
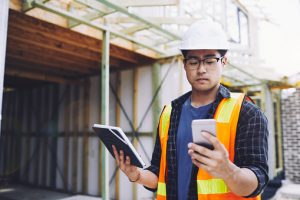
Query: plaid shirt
column 251, row 146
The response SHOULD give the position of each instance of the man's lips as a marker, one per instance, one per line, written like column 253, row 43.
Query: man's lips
column 202, row 79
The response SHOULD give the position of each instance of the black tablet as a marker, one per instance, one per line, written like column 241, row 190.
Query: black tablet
column 111, row 135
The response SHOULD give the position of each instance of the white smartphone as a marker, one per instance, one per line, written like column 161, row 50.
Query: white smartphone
column 207, row 125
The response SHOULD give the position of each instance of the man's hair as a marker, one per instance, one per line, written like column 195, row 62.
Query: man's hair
column 221, row 51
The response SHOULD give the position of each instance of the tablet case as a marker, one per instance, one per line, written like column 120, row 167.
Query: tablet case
column 111, row 135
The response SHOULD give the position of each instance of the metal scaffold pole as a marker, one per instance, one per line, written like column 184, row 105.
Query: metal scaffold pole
column 105, row 112
column 3, row 35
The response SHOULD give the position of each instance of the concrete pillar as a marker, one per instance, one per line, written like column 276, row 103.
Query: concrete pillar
column 269, row 112
column 156, row 108
column 3, row 36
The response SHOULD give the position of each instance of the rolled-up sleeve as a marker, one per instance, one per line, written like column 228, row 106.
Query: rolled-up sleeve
column 251, row 147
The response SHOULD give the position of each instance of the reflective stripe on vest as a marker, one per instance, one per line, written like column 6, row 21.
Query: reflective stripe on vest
column 211, row 186
column 208, row 187
column 161, row 189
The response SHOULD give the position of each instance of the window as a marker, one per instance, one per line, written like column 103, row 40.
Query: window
column 237, row 24
column 243, row 23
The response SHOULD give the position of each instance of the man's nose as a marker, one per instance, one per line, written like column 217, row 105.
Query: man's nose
column 201, row 68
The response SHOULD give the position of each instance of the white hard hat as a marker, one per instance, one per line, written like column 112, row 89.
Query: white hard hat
column 204, row 34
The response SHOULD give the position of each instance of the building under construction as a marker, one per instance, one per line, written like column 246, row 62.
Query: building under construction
column 68, row 64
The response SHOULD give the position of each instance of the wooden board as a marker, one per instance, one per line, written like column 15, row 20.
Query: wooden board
column 43, row 48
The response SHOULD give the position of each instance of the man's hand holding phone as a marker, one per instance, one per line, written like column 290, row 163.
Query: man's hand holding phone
column 208, row 153
column 203, row 125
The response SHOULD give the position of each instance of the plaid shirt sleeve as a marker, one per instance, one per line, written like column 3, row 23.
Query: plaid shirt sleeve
column 251, row 150
column 155, row 161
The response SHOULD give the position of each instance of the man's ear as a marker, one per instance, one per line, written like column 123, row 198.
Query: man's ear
column 224, row 61
column 184, row 67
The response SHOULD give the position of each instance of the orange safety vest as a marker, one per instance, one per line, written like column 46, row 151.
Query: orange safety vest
column 208, row 187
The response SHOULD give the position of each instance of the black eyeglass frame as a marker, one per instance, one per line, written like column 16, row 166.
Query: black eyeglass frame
column 202, row 60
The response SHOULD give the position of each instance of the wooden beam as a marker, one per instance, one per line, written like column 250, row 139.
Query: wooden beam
column 26, row 45
column 67, row 113
column 39, row 40
column 34, row 75
column 38, row 58
column 7, row 129
column 26, row 5
column 89, row 16
column 72, row 37
column 37, row 145
column 42, row 51
column 86, row 126
column 157, row 20
column 75, row 119
column 30, row 67
column 49, row 30
column 11, row 133
column 19, row 127
column 44, row 149
column 96, row 5
column 7, row 135
column 31, row 58
column 24, row 42
column 134, row 29
column 145, row 3
column 28, row 120
column 55, row 113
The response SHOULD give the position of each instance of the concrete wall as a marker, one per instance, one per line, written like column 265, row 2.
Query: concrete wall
column 291, row 133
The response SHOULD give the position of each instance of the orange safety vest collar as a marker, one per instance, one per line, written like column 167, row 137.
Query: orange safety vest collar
column 208, row 187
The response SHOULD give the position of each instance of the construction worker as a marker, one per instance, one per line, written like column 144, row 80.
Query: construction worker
column 236, row 167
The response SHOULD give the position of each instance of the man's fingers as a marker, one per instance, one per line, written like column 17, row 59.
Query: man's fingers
column 116, row 154
column 122, row 164
column 214, row 140
column 127, row 161
column 202, row 166
column 200, row 150
column 121, row 156
column 202, row 159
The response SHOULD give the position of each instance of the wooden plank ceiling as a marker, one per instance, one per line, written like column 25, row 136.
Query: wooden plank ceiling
column 38, row 50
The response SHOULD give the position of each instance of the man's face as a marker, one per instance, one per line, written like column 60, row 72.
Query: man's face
column 206, row 76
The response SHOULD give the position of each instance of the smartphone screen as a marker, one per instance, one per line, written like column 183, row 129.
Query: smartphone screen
column 200, row 125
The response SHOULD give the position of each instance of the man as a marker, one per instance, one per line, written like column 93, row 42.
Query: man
column 236, row 167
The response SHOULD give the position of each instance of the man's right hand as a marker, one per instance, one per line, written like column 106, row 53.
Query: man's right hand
column 123, row 163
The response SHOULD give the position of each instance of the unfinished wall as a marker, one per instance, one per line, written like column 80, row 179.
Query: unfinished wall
column 291, row 134
column 47, row 137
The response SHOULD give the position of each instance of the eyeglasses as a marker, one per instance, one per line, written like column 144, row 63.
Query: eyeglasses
column 194, row 63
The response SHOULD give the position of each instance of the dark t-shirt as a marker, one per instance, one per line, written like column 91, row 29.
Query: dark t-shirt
column 184, row 136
